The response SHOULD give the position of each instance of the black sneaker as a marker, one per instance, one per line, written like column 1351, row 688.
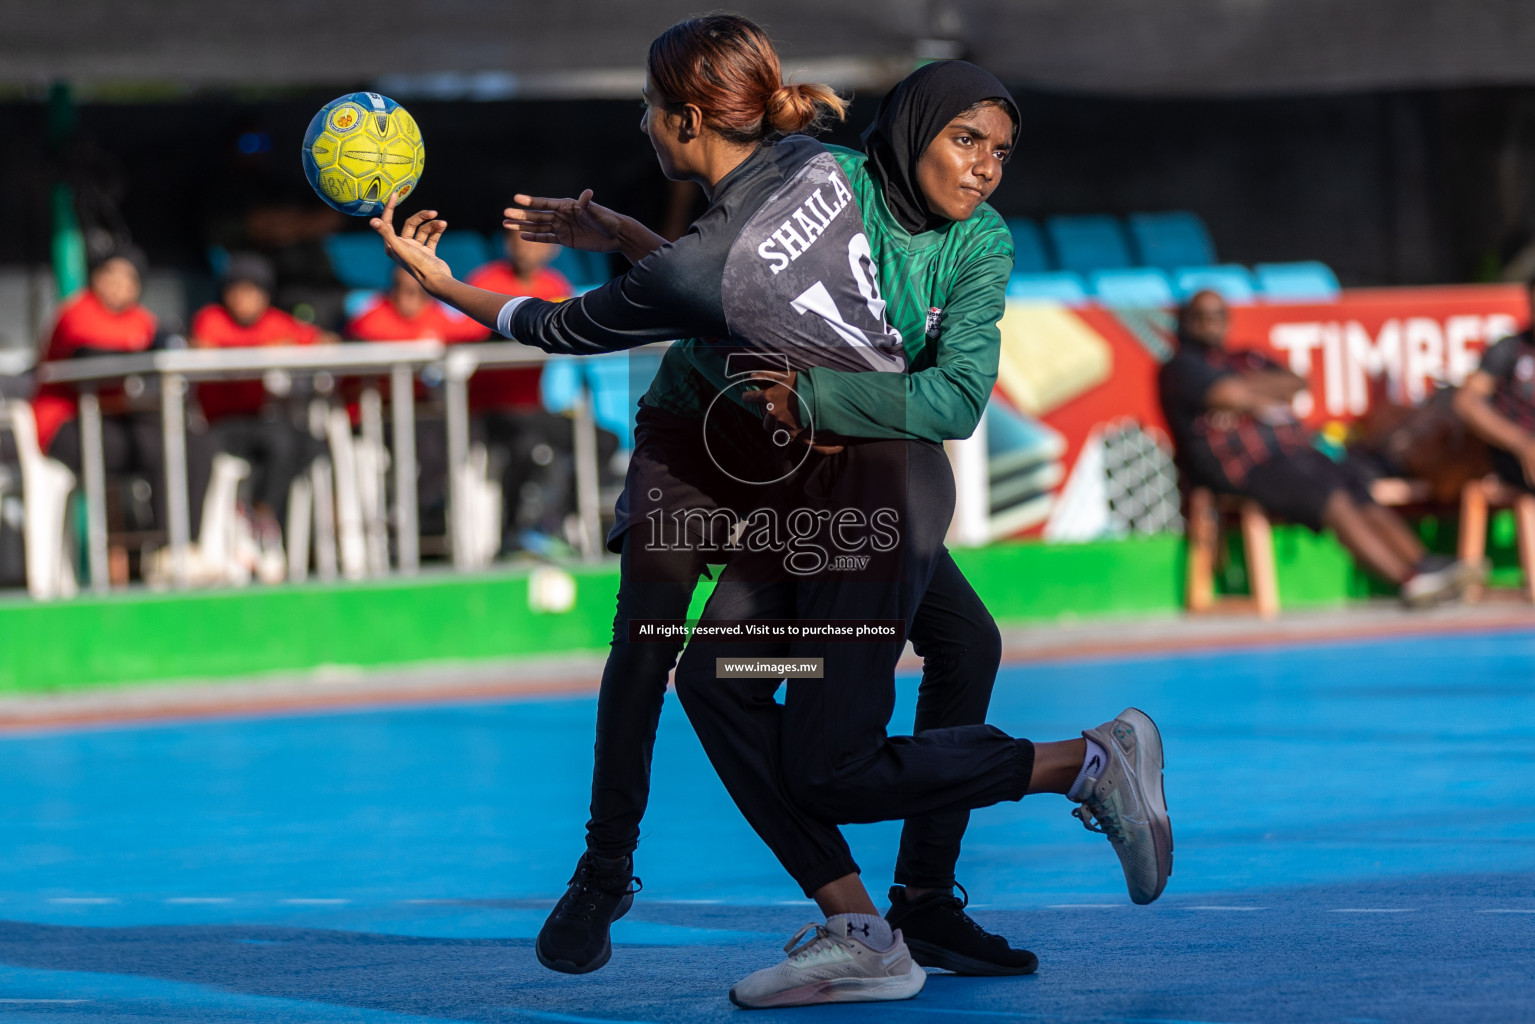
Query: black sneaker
column 940, row 934
column 574, row 940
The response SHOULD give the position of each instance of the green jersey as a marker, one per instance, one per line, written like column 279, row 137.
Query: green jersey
column 944, row 291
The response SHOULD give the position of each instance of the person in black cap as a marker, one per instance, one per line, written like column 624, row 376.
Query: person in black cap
column 246, row 421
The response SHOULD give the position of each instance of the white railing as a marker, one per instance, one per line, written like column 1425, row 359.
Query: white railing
column 400, row 361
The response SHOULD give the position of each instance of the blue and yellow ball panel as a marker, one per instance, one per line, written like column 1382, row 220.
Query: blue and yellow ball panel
column 359, row 148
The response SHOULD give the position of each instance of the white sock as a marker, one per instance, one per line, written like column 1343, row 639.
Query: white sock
column 870, row 929
column 1092, row 766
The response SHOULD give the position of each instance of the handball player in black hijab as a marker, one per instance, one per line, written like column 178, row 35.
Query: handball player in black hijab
column 933, row 156
column 910, row 117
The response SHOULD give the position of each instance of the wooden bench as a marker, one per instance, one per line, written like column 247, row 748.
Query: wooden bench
column 1478, row 497
column 1208, row 511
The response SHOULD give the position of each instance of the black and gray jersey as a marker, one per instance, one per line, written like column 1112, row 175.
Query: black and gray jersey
column 777, row 267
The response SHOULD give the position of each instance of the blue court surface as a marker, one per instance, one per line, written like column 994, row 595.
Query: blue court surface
column 1355, row 832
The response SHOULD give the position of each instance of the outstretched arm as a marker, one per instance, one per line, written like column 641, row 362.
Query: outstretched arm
column 656, row 301
column 581, row 224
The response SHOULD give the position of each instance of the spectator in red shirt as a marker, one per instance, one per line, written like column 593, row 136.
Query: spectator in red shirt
column 525, row 271
column 407, row 313
column 107, row 319
column 532, row 443
column 245, row 420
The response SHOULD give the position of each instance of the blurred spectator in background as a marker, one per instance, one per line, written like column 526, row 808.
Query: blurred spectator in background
column 1498, row 403
column 1236, row 433
column 107, row 319
column 532, row 445
column 407, row 313
column 244, row 419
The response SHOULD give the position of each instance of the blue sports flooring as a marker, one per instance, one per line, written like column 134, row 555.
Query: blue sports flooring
column 1355, row 835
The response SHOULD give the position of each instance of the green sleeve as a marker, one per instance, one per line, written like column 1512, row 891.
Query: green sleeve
column 939, row 403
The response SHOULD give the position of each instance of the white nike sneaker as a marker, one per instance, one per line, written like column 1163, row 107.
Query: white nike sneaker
column 1127, row 804
column 831, row 969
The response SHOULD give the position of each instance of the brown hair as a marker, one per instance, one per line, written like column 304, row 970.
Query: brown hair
column 727, row 67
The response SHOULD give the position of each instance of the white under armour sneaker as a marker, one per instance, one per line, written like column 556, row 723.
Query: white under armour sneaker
column 1127, row 805
column 831, row 969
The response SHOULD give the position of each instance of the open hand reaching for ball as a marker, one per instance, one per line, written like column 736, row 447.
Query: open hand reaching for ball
column 414, row 246
column 580, row 224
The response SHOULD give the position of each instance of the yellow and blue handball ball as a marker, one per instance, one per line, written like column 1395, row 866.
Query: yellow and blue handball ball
column 359, row 148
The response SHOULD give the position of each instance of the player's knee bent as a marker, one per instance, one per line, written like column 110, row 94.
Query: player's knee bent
column 644, row 660
column 822, row 791
column 983, row 651
column 696, row 690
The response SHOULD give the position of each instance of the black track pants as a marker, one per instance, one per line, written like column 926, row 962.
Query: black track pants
column 952, row 632
column 823, row 757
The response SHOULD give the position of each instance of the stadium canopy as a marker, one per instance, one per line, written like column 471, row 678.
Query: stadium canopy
column 500, row 48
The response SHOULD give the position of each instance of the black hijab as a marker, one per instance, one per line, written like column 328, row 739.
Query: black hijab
column 910, row 117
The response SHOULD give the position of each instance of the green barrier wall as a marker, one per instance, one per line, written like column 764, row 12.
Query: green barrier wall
column 140, row 636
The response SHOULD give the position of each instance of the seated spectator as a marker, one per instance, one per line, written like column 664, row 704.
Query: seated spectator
column 1235, row 431
column 245, row 421
column 1497, row 403
column 107, row 319
column 531, row 443
column 407, row 313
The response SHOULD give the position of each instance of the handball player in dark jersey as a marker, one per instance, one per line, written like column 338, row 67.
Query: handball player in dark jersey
column 723, row 281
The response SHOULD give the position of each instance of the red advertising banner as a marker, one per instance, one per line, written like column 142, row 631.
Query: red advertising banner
column 1076, row 443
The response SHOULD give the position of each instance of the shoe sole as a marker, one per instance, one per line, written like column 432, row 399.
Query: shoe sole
column 929, row 955
column 566, row 967
column 842, row 990
column 1160, row 824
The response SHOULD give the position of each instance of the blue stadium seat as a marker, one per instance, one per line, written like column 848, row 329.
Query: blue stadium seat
column 1056, row 286
column 1029, row 255
column 582, row 269
column 465, row 251
column 357, row 302
column 1170, row 240
column 1307, row 281
column 1232, row 281
column 1138, row 286
column 1085, row 244
column 616, row 382
column 359, row 261
column 218, row 260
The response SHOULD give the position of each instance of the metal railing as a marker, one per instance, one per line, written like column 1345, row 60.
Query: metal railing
column 399, row 361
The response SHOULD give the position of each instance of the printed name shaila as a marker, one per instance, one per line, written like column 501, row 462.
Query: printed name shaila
column 812, row 217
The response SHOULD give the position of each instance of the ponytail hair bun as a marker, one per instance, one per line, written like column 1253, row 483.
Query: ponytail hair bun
column 726, row 66
column 800, row 108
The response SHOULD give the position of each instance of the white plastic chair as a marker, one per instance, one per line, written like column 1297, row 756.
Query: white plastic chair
column 349, row 518
column 477, row 516
column 221, row 555
column 45, row 485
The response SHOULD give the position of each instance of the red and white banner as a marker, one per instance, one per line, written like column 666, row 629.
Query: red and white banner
column 1075, row 421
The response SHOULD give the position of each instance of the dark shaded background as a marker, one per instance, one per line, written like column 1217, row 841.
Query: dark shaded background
column 1394, row 188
